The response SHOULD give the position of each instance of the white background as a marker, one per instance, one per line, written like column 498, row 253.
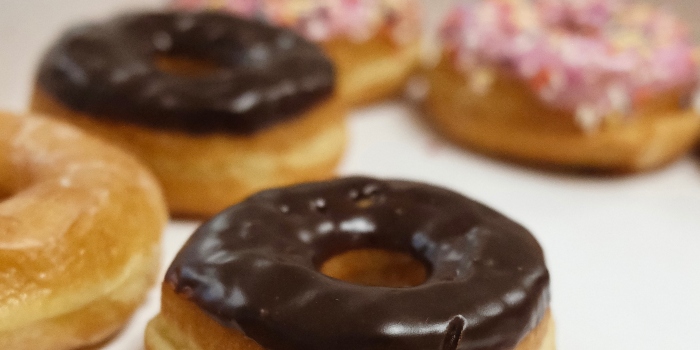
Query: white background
column 624, row 252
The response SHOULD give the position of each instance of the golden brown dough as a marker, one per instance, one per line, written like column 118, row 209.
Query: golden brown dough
column 508, row 120
column 80, row 227
column 201, row 175
column 181, row 325
column 372, row 70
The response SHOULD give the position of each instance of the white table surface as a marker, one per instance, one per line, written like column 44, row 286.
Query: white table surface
column 624, row 252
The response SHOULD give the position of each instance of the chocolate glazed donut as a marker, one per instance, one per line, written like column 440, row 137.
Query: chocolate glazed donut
column 207, row 100
column 254, row 268
column 262, row 75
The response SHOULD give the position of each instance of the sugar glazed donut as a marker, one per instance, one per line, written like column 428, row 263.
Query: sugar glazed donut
column 81, row 225
column 591, row 84
column 219, row 107
column 375, row 44
column 249, row 278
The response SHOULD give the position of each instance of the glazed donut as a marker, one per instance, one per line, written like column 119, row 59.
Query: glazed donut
column 249, row 278
column 593, row 84
column 375, row 44
column 219, row 107
column 81, row 224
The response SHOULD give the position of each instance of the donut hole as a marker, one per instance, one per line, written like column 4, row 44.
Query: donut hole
column 376, row 267
column 185, row 66
column 364, row 202
column 366, row 197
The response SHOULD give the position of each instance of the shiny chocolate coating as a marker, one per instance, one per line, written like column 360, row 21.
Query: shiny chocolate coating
column 254, row 267
column 263, row 74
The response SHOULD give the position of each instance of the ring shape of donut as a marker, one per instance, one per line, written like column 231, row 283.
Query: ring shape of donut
column 207, row 100
column 254, row 269
column 80, row 226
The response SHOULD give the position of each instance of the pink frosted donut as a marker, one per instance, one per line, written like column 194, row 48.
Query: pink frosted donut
column 373, row 43
column 358, row 20
column 600, row 85
column 590, row 57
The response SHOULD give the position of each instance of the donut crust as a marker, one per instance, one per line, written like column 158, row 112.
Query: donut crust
column 181, row 325
column 81, row 226
column 372, row 70
column 203, row 174
column 509, row 121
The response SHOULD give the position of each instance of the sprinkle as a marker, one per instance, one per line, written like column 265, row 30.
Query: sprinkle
column 587, row 118
column 619, row 99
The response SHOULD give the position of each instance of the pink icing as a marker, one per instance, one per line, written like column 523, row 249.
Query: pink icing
column 592, row 57
column 358, row 20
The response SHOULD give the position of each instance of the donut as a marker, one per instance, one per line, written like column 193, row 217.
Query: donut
column 256, row 277
column 375, row 44
column 219, row 107
column 587, row 85
column 81, row 224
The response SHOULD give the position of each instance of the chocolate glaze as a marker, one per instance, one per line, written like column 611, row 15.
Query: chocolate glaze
column 254, row 267
column 265, row 74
